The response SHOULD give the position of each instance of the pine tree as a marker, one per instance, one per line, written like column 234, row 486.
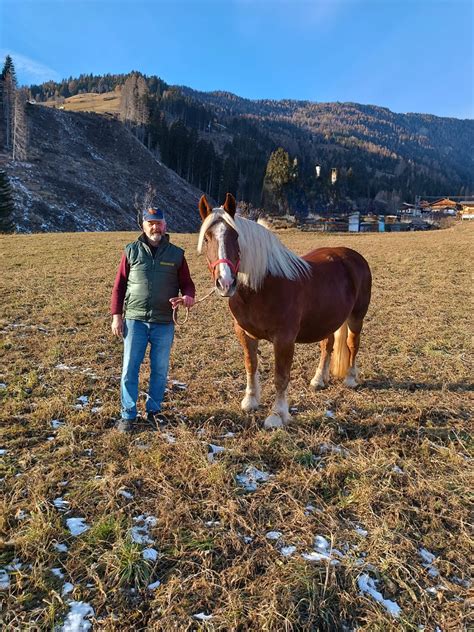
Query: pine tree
column 7, row 99
column 6, row 205
column 9, row 69
column 277, row 176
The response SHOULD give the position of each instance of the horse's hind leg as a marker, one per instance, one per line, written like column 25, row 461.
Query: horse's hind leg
column 321, row 377
column 251, row 400
column 353, row 340
column 284, row 351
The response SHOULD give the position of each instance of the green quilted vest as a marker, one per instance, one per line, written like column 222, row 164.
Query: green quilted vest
column 152, row 281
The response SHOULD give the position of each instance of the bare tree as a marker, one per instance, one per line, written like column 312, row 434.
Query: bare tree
column 8, row 97
column 20, row 126
column 144, row 200
column 134, row 110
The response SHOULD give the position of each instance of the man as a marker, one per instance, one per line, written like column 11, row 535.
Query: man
column 150, row 275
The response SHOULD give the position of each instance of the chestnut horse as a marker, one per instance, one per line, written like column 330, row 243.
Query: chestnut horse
column 278, row 296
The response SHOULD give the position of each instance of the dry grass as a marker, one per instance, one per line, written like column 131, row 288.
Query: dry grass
column 403, row 475
column 91, row 102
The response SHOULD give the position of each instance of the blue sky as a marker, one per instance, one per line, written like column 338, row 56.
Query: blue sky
column 407, row 55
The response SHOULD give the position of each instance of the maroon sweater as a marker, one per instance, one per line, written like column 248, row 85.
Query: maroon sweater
column 186, row 284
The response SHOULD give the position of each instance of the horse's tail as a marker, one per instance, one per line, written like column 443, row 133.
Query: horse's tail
column 340, row 354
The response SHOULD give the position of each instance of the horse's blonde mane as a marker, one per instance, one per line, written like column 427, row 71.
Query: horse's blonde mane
column 261, row 252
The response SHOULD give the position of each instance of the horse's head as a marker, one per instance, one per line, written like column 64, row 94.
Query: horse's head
column 220, row 242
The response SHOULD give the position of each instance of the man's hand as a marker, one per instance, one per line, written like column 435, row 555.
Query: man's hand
column 117, row 325
column 185, row 300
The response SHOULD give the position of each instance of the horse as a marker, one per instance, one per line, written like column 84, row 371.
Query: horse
column 278, row 296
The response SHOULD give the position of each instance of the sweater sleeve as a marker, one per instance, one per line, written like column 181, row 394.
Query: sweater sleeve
column 120, row 286
column 186, row 284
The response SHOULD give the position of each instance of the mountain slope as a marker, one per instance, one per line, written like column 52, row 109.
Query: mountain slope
column 84, row 173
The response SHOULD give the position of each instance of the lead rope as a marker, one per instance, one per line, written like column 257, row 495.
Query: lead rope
column 175, row 309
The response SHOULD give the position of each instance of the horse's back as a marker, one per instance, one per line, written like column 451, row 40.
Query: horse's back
column 340, row 285
column 342, row 253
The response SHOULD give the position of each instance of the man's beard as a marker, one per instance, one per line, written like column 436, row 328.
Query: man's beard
column 155, row 237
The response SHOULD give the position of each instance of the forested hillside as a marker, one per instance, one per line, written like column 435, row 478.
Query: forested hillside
column 220, row 142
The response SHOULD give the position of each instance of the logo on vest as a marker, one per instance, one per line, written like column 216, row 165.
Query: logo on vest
column 167, row 263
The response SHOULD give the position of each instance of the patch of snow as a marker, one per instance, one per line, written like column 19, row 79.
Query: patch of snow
column 397, row 470
column 330, row 414
column 322, row 552
column 273, row 535
column 60, row 503
column 58, row 572
column 228, row 435
column 77, row 526
column 14, row 566
column 76, row 618
column 125, row 494
column 2, row 386
column 361, row 531
column 62, row 548
column 150, row 554
column 3, row 451
column 96, row 409
column 50, row 438
column 56, row 423
column 154, row 586
column 325, row 448
column 83, row 399
column 67, row 588
column 428, row 559
column 212, row 523
column 201, row 616
column 170, row 438
column 465, row 583
column 286, row 551
column 251, row 478
column 367, row 585
column 65, row 367
column 88, row 451
column 140, row 534
column 4, row 580
column 213, row 450
column 22, row 515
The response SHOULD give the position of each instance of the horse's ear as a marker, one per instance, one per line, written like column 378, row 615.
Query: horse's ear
column 205, row 208
column 229, row 204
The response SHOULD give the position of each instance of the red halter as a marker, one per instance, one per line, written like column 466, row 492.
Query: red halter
column 234, row 268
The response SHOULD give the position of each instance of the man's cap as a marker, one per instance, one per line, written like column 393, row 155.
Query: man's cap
column 153, row 214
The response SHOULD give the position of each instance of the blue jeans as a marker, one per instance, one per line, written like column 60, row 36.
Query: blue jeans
column 136, row 336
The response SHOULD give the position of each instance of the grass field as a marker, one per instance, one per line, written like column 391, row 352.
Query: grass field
column 381, row 474
column 90, row 102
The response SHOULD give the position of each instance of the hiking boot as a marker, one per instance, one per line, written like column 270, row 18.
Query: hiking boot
column 156, row 420
column 124, row 425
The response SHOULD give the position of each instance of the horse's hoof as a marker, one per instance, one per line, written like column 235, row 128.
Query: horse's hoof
column 317, row 385
column 273, row 422
column 249, row 404
column 351, row 382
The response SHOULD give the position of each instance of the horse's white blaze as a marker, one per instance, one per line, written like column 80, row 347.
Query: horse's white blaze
column 225, row 273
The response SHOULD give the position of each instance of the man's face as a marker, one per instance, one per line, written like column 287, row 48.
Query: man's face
column 154, row 230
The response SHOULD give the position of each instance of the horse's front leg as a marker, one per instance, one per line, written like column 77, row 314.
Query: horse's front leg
column 251, row 401
column 284, row 350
